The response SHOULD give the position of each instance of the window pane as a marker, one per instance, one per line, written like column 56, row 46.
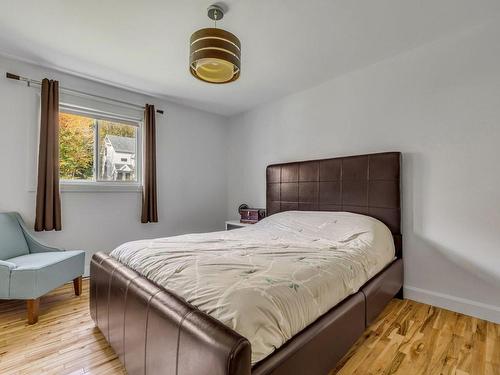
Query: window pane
column 76, row 147
column 117, row 149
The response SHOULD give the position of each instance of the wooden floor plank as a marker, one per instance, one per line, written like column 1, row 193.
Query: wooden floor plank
column 407, row 338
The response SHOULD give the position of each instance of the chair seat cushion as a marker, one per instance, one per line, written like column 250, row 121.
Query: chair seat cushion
column 38, row 273
column 42, row 260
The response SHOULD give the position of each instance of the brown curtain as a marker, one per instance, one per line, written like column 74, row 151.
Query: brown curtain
column 48, row 201
column 149, row 200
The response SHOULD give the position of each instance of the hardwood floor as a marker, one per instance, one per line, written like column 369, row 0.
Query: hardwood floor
column 414, row 338
column 408, row 338
column 64, row 341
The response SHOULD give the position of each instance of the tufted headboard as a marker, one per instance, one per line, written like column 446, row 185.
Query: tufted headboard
column 365, row 184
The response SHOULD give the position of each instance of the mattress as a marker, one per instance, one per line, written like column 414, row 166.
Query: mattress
column 270, row 280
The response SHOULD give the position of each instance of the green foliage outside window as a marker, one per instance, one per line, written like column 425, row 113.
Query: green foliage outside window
column 76, row 143
column 76, row 147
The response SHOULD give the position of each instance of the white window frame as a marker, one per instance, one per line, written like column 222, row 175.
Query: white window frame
column 103, row 185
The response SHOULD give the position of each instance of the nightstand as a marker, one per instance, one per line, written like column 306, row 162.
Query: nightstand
column 235, row 224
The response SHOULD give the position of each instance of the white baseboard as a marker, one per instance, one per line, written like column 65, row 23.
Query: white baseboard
column 457, row 304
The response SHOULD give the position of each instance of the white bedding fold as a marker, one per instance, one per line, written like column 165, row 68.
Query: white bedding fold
column 270, row 280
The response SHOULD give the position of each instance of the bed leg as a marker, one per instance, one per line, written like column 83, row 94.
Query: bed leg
column 399, row 294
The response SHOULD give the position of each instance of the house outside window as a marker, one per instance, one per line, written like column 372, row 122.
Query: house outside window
column 98, row 151
column 118, row 163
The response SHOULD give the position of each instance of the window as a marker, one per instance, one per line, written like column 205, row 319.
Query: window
column 97, row 150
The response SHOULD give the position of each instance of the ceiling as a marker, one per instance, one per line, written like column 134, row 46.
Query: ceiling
column 287, row 45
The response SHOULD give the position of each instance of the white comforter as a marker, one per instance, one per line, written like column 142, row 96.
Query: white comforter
column 270, row 280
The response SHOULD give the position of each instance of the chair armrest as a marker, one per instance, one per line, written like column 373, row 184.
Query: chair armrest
column 5, row 268
column 37, row 247
column 34, row 245
column 4, row 265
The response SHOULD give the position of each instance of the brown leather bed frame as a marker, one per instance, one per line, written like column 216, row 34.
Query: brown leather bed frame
column 153, row 331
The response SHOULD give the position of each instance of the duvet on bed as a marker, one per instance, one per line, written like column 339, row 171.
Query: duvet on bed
column 270, row 280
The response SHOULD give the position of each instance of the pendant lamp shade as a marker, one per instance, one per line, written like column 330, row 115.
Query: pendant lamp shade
column 215, row 56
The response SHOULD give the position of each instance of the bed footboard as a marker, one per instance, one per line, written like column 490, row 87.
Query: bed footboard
column 155, row 332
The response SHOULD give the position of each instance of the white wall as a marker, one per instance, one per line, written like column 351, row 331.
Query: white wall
column 191, row 154
column 440, row 105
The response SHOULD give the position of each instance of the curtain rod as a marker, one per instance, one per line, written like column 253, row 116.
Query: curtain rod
column 30, row 82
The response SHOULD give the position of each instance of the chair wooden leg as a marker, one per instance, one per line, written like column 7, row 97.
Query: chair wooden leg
column 33, row 306
column 77, row 284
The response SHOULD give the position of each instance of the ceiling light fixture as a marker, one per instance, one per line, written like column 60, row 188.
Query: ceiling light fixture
column 215, row 53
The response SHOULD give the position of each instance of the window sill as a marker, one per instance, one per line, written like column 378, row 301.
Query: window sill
column 99, row 187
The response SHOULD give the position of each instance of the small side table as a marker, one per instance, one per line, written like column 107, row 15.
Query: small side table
column 235, row 224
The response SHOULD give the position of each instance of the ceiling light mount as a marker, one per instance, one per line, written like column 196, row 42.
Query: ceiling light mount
column 215, row 54
column 215, row 12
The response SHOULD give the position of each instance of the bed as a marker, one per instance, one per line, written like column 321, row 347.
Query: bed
column 156, row 329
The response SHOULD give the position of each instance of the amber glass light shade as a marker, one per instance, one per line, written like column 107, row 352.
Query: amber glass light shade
column 215, row 56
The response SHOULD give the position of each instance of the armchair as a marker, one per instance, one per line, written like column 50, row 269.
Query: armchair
column 29, row 269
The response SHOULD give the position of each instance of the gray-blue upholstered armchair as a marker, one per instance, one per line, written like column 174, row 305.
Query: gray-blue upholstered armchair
column 29, row 269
